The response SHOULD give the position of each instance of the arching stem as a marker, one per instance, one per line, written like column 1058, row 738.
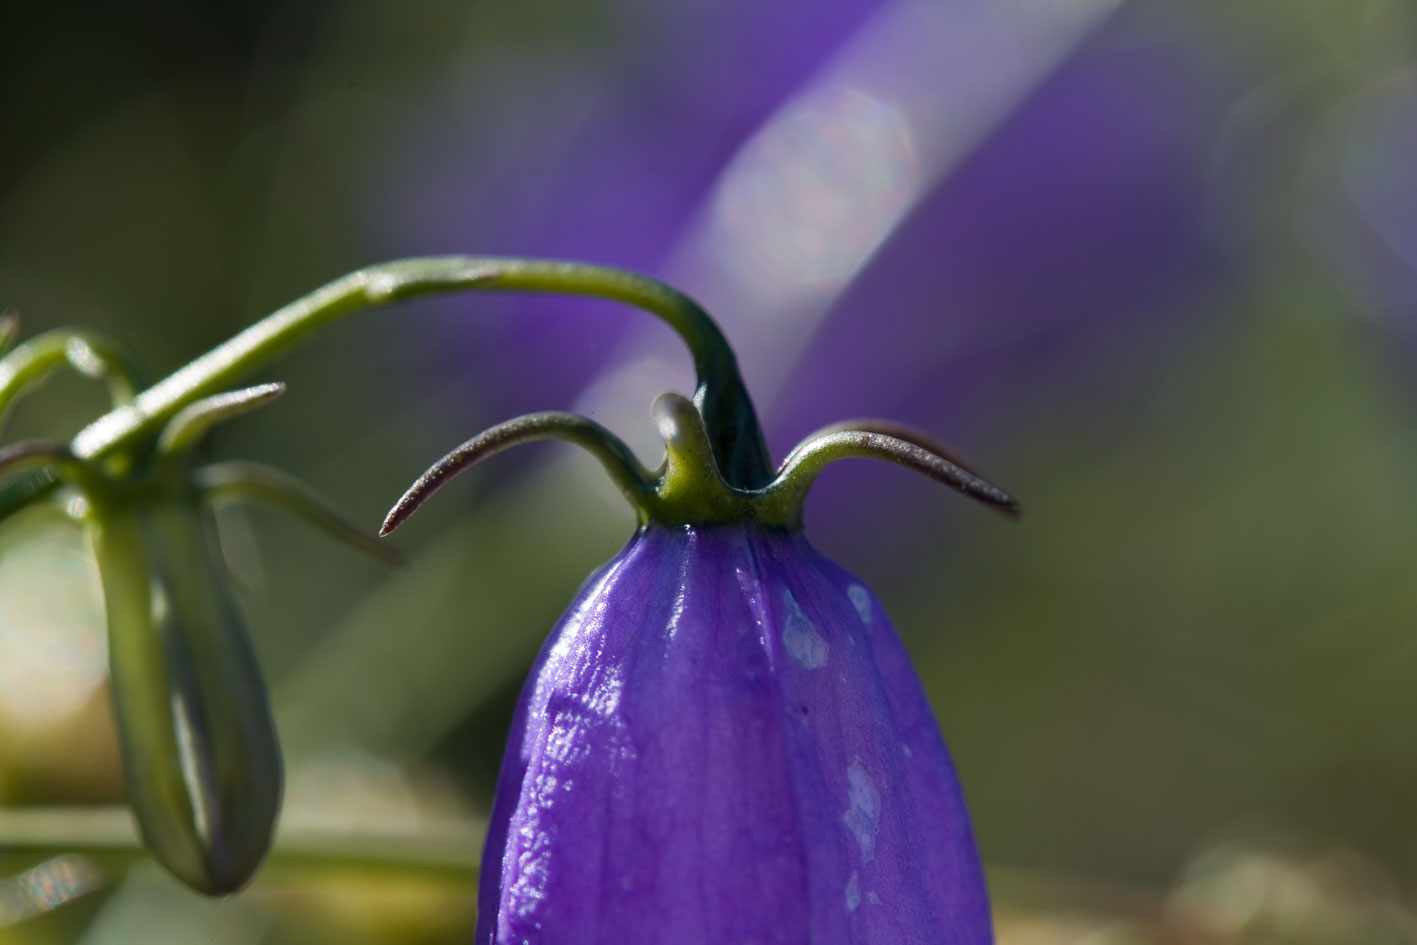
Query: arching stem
column 783, row 499
column 627, row 472
column 252, row 482
column 90, row 353
column 728, row 413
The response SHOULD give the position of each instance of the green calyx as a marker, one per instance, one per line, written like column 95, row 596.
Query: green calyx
column 715, row 467
column 689, row 487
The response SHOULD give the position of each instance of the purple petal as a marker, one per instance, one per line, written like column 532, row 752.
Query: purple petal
column 724, row 742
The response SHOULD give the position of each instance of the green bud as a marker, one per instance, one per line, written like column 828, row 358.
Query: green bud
column 200, row 752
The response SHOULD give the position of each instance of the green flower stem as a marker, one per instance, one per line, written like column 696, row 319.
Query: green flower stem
column 443, row 849
column 194, row 420
column 728, row 412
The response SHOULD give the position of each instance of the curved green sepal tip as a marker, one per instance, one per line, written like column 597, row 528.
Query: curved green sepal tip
column 871, row 439
column 617, row 459
column 186, row 429
column 690, row 487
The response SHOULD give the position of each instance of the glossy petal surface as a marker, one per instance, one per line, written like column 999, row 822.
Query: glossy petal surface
column 724, row 743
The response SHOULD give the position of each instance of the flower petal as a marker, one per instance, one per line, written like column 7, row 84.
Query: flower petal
column 724, row 742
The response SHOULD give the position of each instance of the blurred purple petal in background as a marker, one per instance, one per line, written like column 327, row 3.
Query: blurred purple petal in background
column 572, row 159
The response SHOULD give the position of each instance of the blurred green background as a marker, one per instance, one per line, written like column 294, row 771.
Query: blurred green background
column 1152, row 264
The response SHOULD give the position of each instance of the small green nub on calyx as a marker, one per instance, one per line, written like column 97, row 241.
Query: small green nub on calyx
column 690, row 487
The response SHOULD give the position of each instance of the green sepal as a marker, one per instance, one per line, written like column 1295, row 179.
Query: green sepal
column 192, row 422
column 201, row 757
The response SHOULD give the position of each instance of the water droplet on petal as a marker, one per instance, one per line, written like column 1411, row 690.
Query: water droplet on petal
column 861, row 600
column 863, row 817
column 800, row 637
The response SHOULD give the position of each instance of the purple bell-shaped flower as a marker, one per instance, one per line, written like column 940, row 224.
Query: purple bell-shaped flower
column 723, row 741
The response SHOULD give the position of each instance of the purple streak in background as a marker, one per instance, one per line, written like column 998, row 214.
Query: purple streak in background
column 724, row 742
column 1079, row 226
column 606, row 160
column 1076, row 239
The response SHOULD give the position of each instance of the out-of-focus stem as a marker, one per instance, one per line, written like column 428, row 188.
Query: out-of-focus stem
column 89, row 352
column 445, row 848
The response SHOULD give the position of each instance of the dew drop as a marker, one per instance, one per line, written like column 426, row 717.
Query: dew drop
column 861, row 600
column 863, row 816
column 800, row 638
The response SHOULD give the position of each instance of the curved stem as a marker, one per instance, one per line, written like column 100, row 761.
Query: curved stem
column 90, row 353
column 195, row 419
column 728, row 412
column 783, row 499
column 101, row 357
column 252, row 482
column 627, row 472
